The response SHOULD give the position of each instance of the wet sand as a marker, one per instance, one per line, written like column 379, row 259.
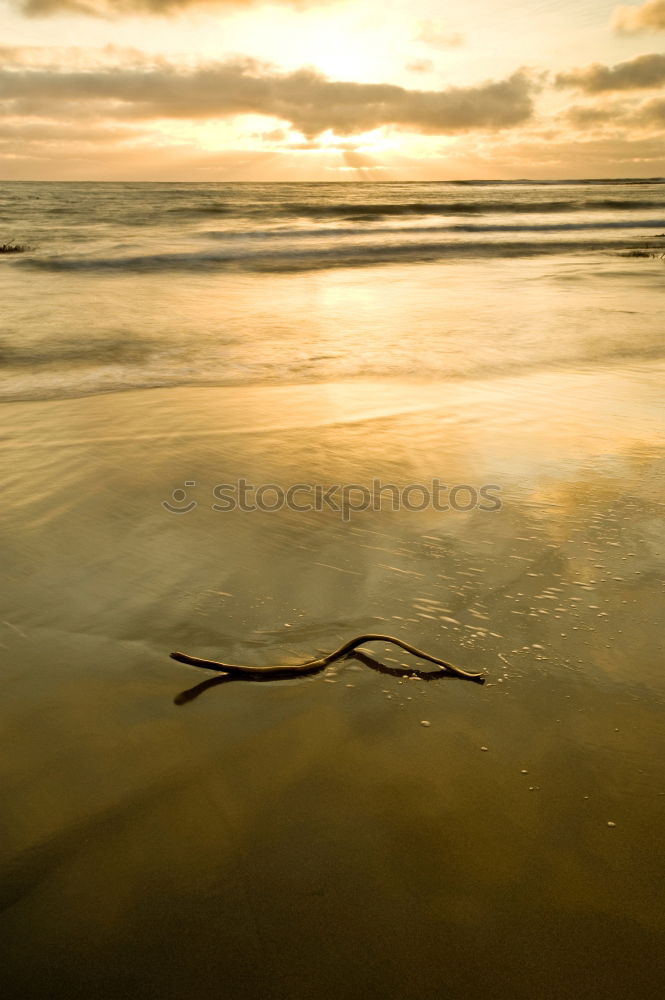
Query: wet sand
column 312, row 838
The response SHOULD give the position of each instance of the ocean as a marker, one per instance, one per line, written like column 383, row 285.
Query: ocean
column 142, row 285
column 183, row 370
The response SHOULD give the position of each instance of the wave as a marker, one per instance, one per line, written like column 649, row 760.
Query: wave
column 314, row 258
column 466, row 227
column 71, row 383
column 211, row 209
column 350, row 210
column 64, row 354
column 363, row 211
column 584, row 182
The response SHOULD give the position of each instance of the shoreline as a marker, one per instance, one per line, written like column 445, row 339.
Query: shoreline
column 577, row 369
column 622, row 368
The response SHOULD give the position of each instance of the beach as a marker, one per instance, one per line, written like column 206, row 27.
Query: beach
column 353, row 832
column 270, row 833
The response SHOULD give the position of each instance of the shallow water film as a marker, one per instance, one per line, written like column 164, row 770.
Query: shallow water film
column 256, row 464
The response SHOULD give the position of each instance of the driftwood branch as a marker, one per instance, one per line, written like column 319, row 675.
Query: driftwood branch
column 285, row 671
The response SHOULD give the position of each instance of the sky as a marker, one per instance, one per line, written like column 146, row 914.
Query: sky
column 331, row 90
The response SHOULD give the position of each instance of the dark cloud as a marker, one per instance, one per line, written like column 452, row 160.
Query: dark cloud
column 652, row 113
column 631, row 20
column 618, row 118
column 305, row 99
column 635, row 74
column 583, row 117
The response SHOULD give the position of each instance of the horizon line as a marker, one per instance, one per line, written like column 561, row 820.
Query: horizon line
column 658, row 179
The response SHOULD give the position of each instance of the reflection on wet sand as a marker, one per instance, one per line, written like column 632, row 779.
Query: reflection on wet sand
column 424, row 675
column 284, row 836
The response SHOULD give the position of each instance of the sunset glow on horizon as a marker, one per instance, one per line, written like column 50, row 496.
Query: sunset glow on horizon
column 328, row 91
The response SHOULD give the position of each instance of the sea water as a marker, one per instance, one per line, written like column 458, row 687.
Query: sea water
column 137, row 285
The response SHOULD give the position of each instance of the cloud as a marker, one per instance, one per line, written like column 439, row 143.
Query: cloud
column 631, row 20
column 420, row 66
column 62, row 132
column 112, row 9
column 305, row 99
column 597, row 157
column 618, row 120
column 582, row 117
column 652, row 113
column 142, row 163
column 436, row 34
column 55, row 57
column 635, row 74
